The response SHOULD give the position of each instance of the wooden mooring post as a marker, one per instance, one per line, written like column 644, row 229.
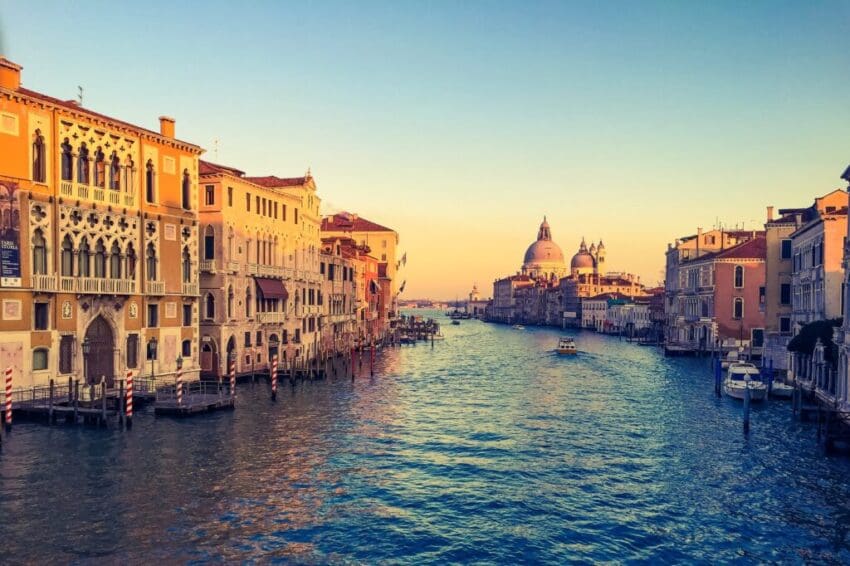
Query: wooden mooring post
column 50, row 404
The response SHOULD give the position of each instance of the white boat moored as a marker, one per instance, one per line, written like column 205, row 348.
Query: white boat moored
column 743, row 376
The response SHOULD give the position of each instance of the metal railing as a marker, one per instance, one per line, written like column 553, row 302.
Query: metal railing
column 192, row 391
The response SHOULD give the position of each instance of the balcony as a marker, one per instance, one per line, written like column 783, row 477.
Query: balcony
column 271, row 317
column 190, row 288
column 103, row 195
column 155, row 287
column 41, row 282
column 207, row 265
column 232, row 266
column 97, row 286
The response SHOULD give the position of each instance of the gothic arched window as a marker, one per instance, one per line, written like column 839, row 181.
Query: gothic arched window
column 115, row 261
column 83, row 265
column 99, row 168
column 67, row 256
column 39, row 253
column 149, row 181
column 187, row 265
column 99, row 259
column 739, row 276
column 83, row 165
column 151, row 263
column 230, row 302
column 114, row 172
column 39, row 159
column 67, row 161
column 131, row 262
column 209, row 306
column 209, row 242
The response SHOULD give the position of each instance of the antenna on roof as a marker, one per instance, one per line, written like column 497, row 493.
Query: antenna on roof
column 80, row 94
column 215, row 149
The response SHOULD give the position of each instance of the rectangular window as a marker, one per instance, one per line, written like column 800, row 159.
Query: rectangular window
column 259, row 337
column 275, row 211
column 761, row 295
column 186, row 349
column 295, row 215
column 39, row 359
column 264, row 207
column 187, row 315
column 284, row 212
column 297, row 338
column 322, row 268
column 248, row 202
column 132, row 351
column 247, row 339
column 229, row 196
column 66, row 354
column 786, row 249
column 41, row 315
column 153, row 316
column 785, row 294
column 738, row 308
column 785, row 324
column 258, row 205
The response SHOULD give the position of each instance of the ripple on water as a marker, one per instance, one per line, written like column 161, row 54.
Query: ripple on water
column 487, row 448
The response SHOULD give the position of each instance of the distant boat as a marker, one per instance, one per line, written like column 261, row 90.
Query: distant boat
column 519, row 327
column 781, row 390
column 567, row 346
column 455, row 321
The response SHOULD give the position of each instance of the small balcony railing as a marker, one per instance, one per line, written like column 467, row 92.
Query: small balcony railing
column 190, row 288
column 232, row 266
column 97, row 286
column 207, row 265
column 42, row 282
column 155, row 287
column 271, row 317
column 104, row 195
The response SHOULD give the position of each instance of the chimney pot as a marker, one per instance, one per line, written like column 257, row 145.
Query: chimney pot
column 770, row 214
column 166, row 126
column 10, row 74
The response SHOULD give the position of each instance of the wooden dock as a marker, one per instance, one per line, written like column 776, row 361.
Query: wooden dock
column 197, row 397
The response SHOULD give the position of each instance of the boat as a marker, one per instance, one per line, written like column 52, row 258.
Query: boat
column 567, row 346
column 519, row 327
column 743, row 376
column 456, row 321
column 732, row 357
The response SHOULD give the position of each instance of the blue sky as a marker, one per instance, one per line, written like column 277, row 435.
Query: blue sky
column 462, row 123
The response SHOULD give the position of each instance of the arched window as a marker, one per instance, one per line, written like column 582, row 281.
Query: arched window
column 149, row 181
column 83, row 165
column 230, row 302
column 39, row 359
column 115, row 261
column 187, row 265
column 129, row 172
column 209, row 306
column 99, row 168
column 39, row 159
column 39, row 253
column 131, row 262
column 738, row 308
column 209, row 242
column 187, row 190
column 739, row 276
column 151, row 263
column 67, row 256
column 67, row 161
column 83, row 260
column 248, row 301
column 99, row 259
column 114, row 172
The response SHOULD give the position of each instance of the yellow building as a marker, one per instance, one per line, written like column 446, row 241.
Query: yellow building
column 260, row 282
column 92, row 210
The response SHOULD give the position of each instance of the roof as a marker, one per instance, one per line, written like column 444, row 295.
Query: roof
column 73, row 105
column 345, row 222
column 272, row 182
column 606, row 296
column 751, row 249
column 207, row 168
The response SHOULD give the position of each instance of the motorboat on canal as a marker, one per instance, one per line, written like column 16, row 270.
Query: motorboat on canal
column 456, row 321
column 781, row 390
column 743, row 376
column 567, row 346
column 518, row 327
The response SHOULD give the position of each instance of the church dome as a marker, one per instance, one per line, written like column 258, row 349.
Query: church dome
column 544, row 257
column 581, row 260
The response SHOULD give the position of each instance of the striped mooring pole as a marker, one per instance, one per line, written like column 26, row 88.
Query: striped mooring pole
column 179, row 386
column 274, row 378
column 128, row 399
column 9, row 397
column 233, row 377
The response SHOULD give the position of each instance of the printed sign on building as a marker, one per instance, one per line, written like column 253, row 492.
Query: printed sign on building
column 10, row 235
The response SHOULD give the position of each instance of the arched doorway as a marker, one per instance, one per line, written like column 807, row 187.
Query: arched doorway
column 209, row 359
column 101, row 344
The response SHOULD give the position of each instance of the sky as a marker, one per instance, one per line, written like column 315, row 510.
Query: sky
column 461, row 124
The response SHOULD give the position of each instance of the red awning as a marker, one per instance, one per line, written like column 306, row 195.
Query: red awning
column 271, row 288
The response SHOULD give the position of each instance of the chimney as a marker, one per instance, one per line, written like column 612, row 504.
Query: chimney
column 770, row 214
column 166, row 126
column 699, row 237
column 10, row 74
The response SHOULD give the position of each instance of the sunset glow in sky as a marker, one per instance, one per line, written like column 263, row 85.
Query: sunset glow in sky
column 460, row 124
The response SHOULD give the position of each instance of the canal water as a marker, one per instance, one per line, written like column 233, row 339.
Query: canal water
column 487, row 448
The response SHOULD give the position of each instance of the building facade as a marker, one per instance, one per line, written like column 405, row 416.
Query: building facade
column 99, row 237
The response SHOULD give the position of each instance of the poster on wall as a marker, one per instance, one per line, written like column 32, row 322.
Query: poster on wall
column 10, row 235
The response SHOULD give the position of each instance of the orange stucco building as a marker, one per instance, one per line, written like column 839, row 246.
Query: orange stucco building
column 99, row 240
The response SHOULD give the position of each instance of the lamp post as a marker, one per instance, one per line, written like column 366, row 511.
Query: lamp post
column 86, row 351
column 152, row 347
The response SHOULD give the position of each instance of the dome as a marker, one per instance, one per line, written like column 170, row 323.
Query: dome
column 543, row 251
column 581, row 260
